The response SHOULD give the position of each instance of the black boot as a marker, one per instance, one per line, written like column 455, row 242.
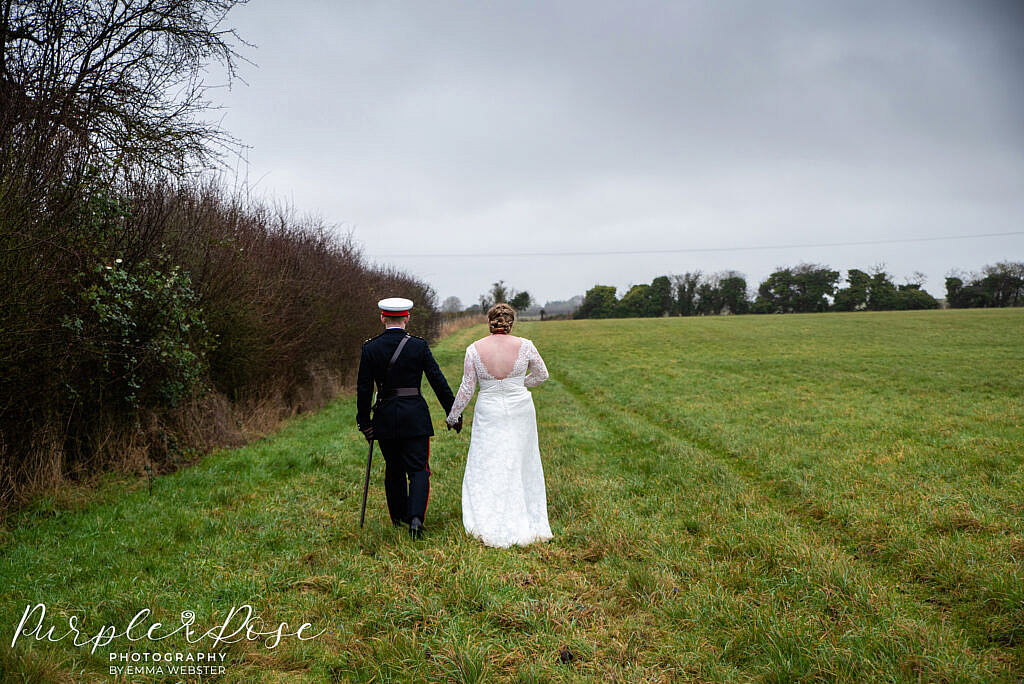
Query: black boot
column 416, row 528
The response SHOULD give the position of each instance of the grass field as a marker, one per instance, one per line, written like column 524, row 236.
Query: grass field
column 767, row 498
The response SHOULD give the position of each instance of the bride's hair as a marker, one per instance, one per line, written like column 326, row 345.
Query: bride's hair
column 500, row 318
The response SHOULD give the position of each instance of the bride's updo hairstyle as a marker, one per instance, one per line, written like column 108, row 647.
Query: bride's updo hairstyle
column 500, row 318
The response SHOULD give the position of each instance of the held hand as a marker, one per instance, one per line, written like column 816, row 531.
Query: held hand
column 367, row 432
column 457, row 425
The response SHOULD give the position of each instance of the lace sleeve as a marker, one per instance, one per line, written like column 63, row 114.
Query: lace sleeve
column 466, row 389
column 538, row 371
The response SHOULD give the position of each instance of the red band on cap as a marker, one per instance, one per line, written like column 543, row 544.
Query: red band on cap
column 394, row 313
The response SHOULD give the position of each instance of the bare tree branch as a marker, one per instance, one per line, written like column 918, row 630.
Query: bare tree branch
column 120, row 79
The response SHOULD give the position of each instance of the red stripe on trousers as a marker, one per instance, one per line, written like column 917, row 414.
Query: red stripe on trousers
column 428, row 479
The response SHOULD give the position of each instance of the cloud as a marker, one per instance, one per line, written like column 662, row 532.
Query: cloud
column 476, row 126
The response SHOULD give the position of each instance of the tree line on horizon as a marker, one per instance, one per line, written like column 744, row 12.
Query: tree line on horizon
column 499, row 292
column 805, row 288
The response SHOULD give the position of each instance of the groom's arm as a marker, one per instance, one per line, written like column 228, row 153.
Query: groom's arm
column 437, row 381
column 364, row 391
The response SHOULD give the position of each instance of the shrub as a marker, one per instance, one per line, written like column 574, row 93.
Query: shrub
column 599, row 302
column 139, row 336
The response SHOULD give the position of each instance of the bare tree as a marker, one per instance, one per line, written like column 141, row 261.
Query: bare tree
column 452, row 305
column 918, row 279
column 500, row 292
column 686, row 292
column 118, row 81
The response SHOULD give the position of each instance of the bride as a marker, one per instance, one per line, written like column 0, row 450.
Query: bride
column 503, row 498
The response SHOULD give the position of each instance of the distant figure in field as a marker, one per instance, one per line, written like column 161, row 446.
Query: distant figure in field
column 503, row 497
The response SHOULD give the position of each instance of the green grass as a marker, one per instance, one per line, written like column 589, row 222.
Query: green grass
column 767, row 498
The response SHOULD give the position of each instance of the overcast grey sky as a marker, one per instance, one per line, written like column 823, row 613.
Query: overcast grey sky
column 494, row 127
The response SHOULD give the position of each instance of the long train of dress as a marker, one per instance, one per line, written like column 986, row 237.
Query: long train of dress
column 503, row 496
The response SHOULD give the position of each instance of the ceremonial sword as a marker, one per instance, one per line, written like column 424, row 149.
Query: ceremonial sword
column 366, row 485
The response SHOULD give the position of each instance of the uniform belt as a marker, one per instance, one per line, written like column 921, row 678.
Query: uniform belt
column 399, row 392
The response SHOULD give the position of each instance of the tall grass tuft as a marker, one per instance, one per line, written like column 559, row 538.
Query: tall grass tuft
column 452, row 323
column 467, row 664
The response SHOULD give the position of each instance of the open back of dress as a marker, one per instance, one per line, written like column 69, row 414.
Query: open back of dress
column 499, row 354
column 503, row 497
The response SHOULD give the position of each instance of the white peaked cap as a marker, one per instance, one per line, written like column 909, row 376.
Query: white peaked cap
column 395, row 306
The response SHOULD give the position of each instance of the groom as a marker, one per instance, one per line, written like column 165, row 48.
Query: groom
column 396, row 361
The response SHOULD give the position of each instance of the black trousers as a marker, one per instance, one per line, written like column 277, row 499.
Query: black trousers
column 406, row 477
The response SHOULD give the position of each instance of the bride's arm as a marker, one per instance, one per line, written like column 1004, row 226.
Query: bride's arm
column 538, row 371
column 466, row 389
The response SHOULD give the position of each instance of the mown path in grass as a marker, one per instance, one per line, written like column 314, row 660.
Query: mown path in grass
column 767, row 498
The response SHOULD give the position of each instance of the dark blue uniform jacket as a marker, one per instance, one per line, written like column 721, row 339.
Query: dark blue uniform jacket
column 399, row 417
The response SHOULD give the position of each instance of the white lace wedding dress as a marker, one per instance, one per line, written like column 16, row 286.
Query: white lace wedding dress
column 503, row 497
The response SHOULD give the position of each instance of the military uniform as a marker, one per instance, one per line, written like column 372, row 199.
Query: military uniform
column 401, row 419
